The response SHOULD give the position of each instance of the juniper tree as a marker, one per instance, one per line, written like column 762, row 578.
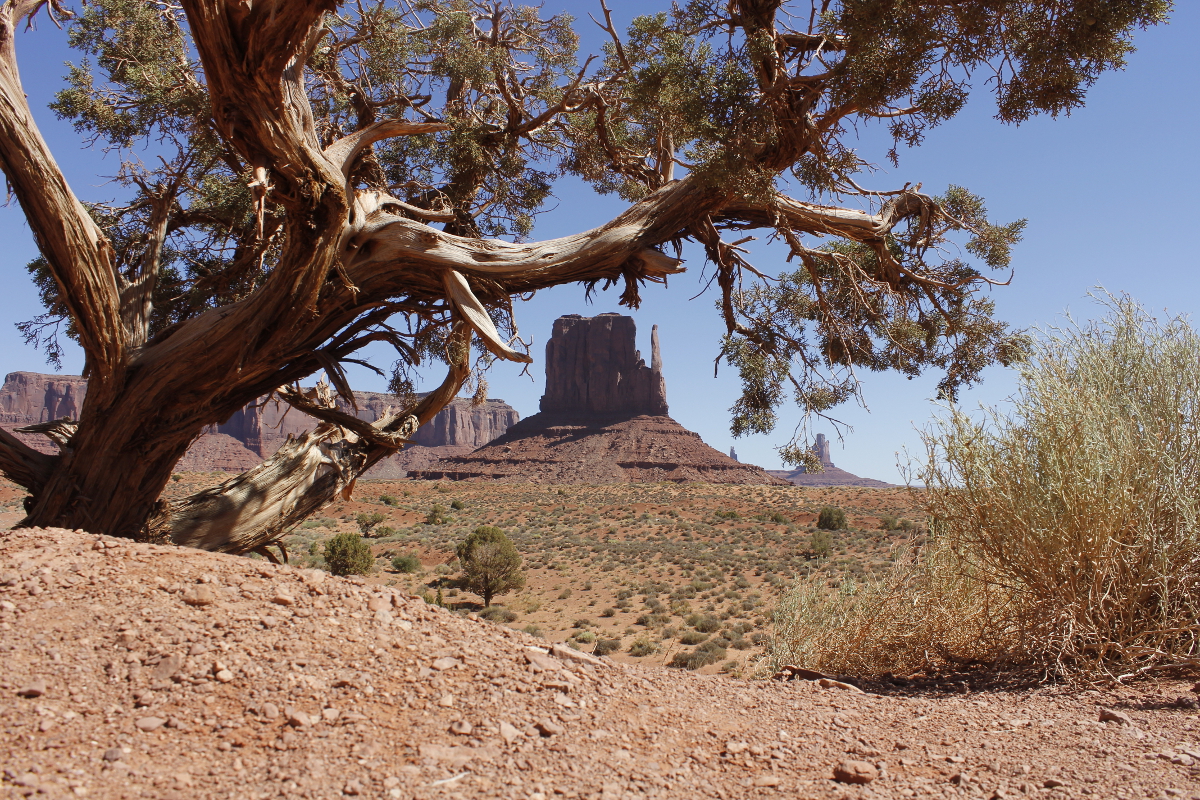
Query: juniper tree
column 490, row 563
column 327, row 175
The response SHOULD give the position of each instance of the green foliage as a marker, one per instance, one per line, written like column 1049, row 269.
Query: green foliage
column 348, row 554
column 498, row 614
column 831, row 519
column 606, row 647
column 693, row 637
column 437, row 515
column 642, row 647
column 388, row 500
column 490, row 563
column 820, row 543
column 457, row 505
column 366, row 521
column 726, row 514
column 408, row 564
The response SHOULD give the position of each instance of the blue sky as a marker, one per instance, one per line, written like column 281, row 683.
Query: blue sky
column 1107, row 192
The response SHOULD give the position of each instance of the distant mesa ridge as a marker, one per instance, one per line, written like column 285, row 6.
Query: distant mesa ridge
column 829, row 475
column 603, row 419
column 256, row 431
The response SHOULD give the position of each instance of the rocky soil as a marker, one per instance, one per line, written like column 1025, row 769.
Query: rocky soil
column 132, row 670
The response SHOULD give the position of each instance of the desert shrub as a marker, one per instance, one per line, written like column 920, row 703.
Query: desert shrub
column 457, row 505
column 704, row 623
column 309, row 524
column 820, row 543
column 582, row 622
column 831, row 518
column 385, row 532
column 533, row 630
column 565, row 594
column 702, row 656
column 888, row 523
column 693, row 637
column 1063, row 529
column 727, row 514
column 641, row 647
column 609, row 612
column 497, row 614
column 741, row 582
column 606, row 646
column 653, row 620
column 348, row 554
column 367, row 521
column 408, row 564
column 438, row 515
column 584, row 637
column 741, row 643
column 387, row 500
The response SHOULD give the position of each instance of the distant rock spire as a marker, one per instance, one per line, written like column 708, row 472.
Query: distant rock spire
column 655, row 355
column 733, row 454
column 821, row 448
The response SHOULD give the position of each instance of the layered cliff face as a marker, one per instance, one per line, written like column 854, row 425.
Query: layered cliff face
column 257, row 431
column 593, row 369
column 603, row 420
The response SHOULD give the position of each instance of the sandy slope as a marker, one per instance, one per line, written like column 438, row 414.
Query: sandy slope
column 137, row 671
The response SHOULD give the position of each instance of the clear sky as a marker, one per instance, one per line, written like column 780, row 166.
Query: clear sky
column 1107, row 192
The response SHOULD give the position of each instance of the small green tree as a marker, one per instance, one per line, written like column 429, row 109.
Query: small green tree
column 820, row 543
column 490, row 563
column 407, row 564
column 437, row 515
column 367, row 521
column 348, row 554
column 831, row 519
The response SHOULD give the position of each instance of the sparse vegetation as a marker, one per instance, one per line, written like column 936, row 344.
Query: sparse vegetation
column 1063, row 530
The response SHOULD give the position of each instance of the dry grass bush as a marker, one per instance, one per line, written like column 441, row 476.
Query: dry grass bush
column 1064, row 532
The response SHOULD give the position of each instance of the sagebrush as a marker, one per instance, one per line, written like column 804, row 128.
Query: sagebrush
column 1063, row 529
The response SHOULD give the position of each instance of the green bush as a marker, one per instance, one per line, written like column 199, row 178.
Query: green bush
column 498, row 614
column 820, row 543
column 438, row 515
column 831, row 518
column 704, row 622
column 642, row 647
column 606, row 646
column 408, row 564
column 348, row 554
column 584, row 637
column 1062, row 532
column 387, row 500
column 609, row 612
column 457, row 505
column 888, row 522
column 693, row 637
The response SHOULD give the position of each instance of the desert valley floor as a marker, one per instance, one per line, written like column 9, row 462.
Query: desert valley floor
column 133, row 670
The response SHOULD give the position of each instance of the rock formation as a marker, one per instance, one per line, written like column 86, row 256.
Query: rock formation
column 603, row 420
column 830, row 475
column 256, row 431
column 593, row 369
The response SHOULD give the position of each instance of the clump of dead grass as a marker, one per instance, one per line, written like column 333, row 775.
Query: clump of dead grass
column 1063, row 534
